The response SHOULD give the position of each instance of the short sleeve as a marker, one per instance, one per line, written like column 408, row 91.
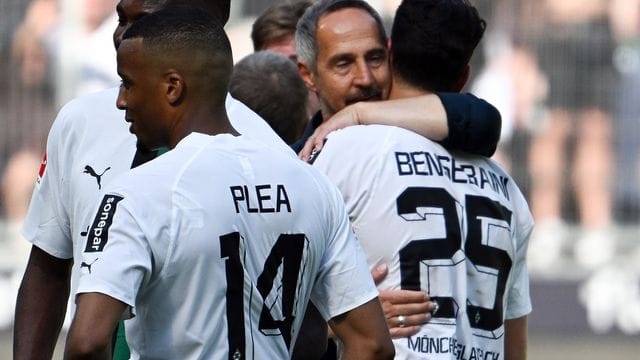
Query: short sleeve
column 116, row 258
column 518, row 302
column 46, row 224
column 344, row 281
column 474, row 124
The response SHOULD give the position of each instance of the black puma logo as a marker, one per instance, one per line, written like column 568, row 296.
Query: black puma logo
column 88, row 266
column 89, row 170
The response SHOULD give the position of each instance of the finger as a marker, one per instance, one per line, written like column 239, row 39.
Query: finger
column 403, row 296
column 379, row 273
column 409, row 321
column 306, row 149
column 411, row 309
column 397, row 332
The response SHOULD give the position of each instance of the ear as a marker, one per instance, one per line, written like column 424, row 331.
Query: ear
column 307, row 76
column 174, row 86
column 463, row 79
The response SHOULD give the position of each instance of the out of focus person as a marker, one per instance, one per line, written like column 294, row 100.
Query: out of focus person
column 275, row 30
column 625, row 21
column 269, row 84
column 575, row 52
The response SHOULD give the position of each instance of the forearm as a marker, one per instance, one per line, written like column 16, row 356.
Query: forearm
column 364, row 333
column 424, row 115
column 41, row 306
column 515, row 339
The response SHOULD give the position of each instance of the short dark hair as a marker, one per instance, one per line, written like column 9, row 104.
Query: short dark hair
column 306, row 31
column 277, row 22
column 432, row 42
column 219, row 9
column 190, row 38
column 269, row 84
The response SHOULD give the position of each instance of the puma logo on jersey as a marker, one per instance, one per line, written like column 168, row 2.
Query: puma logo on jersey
column 89, row 170
column 88, row 266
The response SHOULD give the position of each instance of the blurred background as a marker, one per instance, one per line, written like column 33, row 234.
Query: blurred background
column 565, row 75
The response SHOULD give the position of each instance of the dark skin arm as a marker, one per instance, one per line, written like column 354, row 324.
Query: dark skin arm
column 41, row 305
column 92, row 327
column 515, row 339
column 364, row 332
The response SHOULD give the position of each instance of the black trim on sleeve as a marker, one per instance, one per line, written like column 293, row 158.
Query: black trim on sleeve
column 474, row 124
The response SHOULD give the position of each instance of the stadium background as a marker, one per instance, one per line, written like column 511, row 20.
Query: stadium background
column 580, row 312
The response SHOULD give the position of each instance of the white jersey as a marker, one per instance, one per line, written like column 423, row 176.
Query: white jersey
column 453, row 225
column 89, row 144
column 217, row 246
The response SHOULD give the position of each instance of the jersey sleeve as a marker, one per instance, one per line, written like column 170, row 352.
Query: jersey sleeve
column 518, row 302
column 46, row 224
column 344, row 281
column 117, row 258
column 474, row 124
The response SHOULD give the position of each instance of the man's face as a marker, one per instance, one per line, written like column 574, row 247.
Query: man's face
column 352, row 61
column 141, row 95
column 129, row 11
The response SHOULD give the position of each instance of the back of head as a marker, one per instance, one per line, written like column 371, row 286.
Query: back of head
column 432, row 42
column 191, row 41
column 219, row 9
column 306, row 31
column 277, row 22
column 269, row 84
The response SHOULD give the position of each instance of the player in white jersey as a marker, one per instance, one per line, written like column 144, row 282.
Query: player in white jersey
column 214, row 248
column 89, row 144
column 451, row 224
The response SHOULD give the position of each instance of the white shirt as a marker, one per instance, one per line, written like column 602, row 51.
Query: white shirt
column 217, row 233
column 453, row 225
column 90, row 144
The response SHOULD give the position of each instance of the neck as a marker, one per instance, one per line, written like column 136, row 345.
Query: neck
column 202, row 120
column 402, row 90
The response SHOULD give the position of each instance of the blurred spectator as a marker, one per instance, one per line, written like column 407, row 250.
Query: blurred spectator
column 575, row 53
column 275, row 30
column 625, row 20
column 269, row 84
column 16, row 186
column 38, row 45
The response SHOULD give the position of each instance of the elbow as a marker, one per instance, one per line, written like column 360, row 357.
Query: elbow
column 381, row 349
column 386, row 350
column 86, row 348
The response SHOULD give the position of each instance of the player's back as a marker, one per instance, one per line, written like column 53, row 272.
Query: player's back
column 452, row 225
column 238, row 235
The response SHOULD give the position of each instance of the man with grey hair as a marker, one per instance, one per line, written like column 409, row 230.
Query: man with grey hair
column 345, row 71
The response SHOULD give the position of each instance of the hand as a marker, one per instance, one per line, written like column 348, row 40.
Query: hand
column 415, row 307
column 343, row 118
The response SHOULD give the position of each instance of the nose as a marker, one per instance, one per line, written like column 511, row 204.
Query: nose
column 120, row 101
column 364, row 76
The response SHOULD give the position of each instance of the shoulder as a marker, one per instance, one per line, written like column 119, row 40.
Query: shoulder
column 95, row 109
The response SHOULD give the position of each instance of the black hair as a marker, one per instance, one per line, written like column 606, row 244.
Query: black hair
column 432, row 42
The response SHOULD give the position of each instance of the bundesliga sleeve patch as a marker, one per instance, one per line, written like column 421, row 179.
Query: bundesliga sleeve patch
column 99, row 232
column 43, row 167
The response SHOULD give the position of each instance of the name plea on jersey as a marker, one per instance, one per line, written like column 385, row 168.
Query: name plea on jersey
column 265, row 198
column 423, row 163
column 448, row 345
